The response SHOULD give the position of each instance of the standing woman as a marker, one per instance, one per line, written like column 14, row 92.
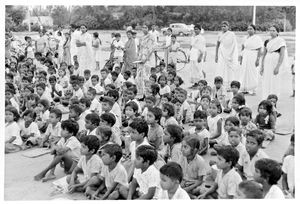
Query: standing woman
column 198, row 49
column 67, row 48
column 273, row 62
column 96, row 43
column 129, row 52
column 84, row 50
column 147, row 59
column 227, row 55
column 250, row 60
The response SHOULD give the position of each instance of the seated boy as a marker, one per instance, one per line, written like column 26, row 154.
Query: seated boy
column 113, row 174
column 145, row 182
column 95, row 106
column 89, row 164
column 67, row 150
column 228, row 179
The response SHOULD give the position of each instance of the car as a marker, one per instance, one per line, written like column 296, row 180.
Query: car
column 180, row 29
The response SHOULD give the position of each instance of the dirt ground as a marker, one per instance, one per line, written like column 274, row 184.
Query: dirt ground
column 20, row 170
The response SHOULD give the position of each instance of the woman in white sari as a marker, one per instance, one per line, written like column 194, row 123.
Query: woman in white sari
column 227, row 55
column 250, row 61
column 84, row 50
column 273, row 63
column 198, row 48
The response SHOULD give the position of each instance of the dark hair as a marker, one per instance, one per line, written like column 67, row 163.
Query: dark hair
column 153, row 76
column 167, row 95
column 173, row 36
column 133, row 105
column 30, row 113
column 85, row 101
column 162, row 76
column 128, row 73
column 200, row 114
column 269, row 170
column 52, row 78
column 42, row 85
column 77, row 108
column 267, row 105
column 87, row 71
column 96, row 34
column 113, row 150
column 156, row 112
column 257, row 134
column 114, row 73
column 105, row 130
column 240, row 99
column 104, row 70
column 246, row 111
column 225, row 23
column 235, row 83
column 94, row 118
column 193, row 142
column 235, row 129
column 218, row 104
column 172, row 170
column 71, row 126
column 9, row 75
column 292, row 138
column 117, row 35
column 252, row 189
column 229, row 153
column 179, row 79
column 234, row 120
column 92, row 91
column 140, row 125
column 14, row 111
column 151, row 98
column 175, row 132
column 29, row 87
column 218, row 79
column 92, row 142
column 108, row 100
column 45, row 103
column 253, row 26
column 132, row 89
column 148, row 153
column 95, row 77
column 154, row 89
column 203, row 81
column 276, row 28
column 109, row 118
column 206, row 88
column 170, row 108
column 205, row 96
column 113, row 93
column 57, row 112
column 271, row 96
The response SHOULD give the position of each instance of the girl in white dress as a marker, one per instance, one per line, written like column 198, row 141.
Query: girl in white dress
column 273, row 63
column 96, row 43
column 250, row 60
column 13, row 139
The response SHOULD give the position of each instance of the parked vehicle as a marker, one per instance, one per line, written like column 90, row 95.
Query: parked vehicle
column 180, row 29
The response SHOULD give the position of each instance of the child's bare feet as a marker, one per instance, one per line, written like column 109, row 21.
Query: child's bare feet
column 49, row 177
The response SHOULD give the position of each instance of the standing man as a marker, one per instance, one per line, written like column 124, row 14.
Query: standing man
column 41, row 43
column 168, row 44
column 227, row 55
column 197, row 53
column 155, row 33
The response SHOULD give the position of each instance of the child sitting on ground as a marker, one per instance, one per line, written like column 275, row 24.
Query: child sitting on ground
column 171, row 176
column 85, row 104
column 95, row 106
column 168, row 113
column 268, row 172
column 249, row 190
column 214, row 121
column 173, row 135
column 42, row 111
column 204, row 103
column 228, row 179
column 67, row 150
column 288, row 169
column 92, row 121
column 145, row 182
column 185, row 109
column 156, row 132
column 235, row 87
column 30, row 132
column 89, row 164
column 193, row 166
column 247, row 125
column 113, row 175
column 234, row 139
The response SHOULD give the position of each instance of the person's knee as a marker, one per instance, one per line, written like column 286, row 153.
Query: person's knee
column 123, row 191
column 114, row 195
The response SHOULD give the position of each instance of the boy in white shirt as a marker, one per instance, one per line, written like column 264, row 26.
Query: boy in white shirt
column 146, row 176
column 118, row 46
column 43, row 94
column 288, row 169
column 127, row 77
column 96, row 106
column 55, row 89
column 77, row 91
column 185, row 110
column 171, row 176
column 235, row 138
column 90, row 164
column 53, row 131
column 92, row 121
column 9, row 95
column 104, row 77
column 85, row 104
column 96, row 85
column 87, row 78
column 67, row 150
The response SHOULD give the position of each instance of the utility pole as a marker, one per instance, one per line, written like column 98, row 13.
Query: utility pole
column 254, row 15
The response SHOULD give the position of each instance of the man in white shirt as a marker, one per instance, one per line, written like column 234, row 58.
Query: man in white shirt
column 155, row 33
column 119, row 46
column 168, row 44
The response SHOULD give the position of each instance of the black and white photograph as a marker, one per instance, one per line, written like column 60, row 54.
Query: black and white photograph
column 149, row 102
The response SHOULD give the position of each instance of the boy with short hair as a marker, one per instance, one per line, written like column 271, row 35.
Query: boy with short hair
column 131, row 94
column 113, row 175
column 89, row 164
column 288, row 169
column 227, row 179
column 96, row 85
column 87, row 78
column 53, row 131
column 104, row 77
column 145, row 176
column 77, row 91
column 67, row 150
column 96, row 106
column 249, row 190
column 85, row 104
column 92, row 121
column 171, row 176
column 235, row 87
column 75, row 112
column 41, row 91
column 254, row 140
column 185, row 111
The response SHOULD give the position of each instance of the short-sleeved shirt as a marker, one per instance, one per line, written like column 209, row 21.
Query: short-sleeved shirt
column 274, row 193
column 165, row 90
column 78, row 93
column 288, row 167
column 55, row 131
column 154, row 134
column 186, row 107
column 92, row 166
column 227, row 184
column 58, row 88
column 32, row 128
column 202, row 135
column 133, row 147
column 242, row 151
column 118, row 175
column 248, row 165
column 194, row 169
column 149, row 178
column 81, row 124
column 180, row 194
column 74, row 146
column 175, row 152
column 170, row 121
column 11, row 130
column 96, row 106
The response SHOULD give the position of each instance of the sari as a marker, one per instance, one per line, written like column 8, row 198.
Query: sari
column 270, row 82
column 227, row 57
column 249, row 72
column 129, row 54
column 198, row 44
column 85, row 54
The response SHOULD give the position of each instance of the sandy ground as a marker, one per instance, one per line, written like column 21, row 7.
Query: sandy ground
column 20, row 170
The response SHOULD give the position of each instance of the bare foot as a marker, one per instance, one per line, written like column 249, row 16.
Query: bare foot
column 49, row 177
column 39, row 177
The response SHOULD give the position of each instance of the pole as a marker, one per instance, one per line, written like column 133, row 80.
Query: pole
column 254, row 15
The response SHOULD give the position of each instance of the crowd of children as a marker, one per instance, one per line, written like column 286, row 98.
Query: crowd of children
column 115, row 146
